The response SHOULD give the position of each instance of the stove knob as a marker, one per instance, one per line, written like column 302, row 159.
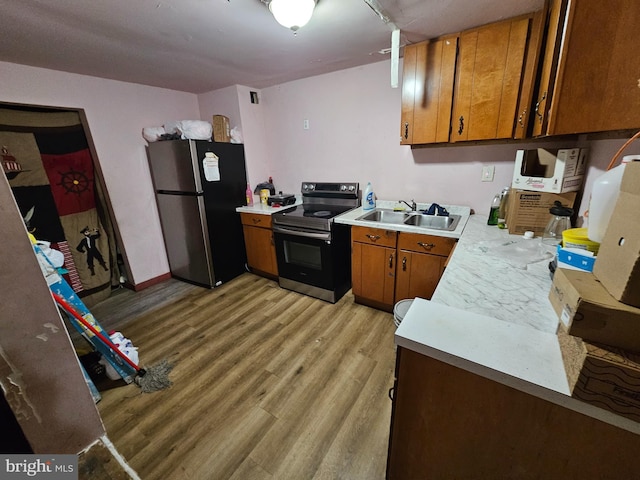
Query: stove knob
column 305, row 186
column 352, row 188
column 311, row 186
column 343, row 187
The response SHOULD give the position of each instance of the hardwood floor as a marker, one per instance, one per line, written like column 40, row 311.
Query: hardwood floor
column 268, row 383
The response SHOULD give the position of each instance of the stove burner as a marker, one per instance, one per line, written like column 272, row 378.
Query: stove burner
column 323, row 213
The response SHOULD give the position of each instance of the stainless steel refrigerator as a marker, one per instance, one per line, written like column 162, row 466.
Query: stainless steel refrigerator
column 197, row 196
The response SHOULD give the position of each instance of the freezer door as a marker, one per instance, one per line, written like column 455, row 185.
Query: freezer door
column 186, row 237
column 174, row 166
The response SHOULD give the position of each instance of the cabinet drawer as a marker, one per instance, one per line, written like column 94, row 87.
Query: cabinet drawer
column 433, row 244
column 375, row 236
column 256, row 220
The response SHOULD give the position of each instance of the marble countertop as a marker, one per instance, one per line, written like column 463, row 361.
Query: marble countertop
column 499, row 275
column 351, row 218
column 490, row 315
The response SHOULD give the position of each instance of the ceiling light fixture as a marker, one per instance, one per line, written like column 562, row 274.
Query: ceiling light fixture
column 292, row 14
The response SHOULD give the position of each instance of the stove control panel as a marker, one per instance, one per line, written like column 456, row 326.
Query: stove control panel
column 330, row 188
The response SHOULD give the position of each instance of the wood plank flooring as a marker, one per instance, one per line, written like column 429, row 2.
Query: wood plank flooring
column 268, row 384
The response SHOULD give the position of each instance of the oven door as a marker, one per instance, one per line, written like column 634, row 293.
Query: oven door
column 305, row 258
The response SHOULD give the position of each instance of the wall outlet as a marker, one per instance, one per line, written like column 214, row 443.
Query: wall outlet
column 488, row 172
column 305, row 124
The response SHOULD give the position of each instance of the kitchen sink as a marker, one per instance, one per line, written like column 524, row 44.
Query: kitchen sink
column 435, row 222
column 416, row 219
column 385, row 216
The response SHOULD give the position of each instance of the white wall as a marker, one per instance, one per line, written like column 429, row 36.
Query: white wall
column 249, row 119
column 117, row 113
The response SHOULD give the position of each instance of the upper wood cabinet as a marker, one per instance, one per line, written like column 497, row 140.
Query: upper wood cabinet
column 476, row 85
column 427, row 91
column 495, row 79
column 590, row 77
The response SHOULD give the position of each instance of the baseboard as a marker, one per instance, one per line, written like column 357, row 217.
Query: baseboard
column 148, row 283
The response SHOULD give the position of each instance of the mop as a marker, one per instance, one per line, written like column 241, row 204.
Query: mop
column 150, row 379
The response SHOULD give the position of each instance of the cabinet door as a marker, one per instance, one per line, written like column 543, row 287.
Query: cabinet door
column 488, row 79
column 554, row 31
column 408, row 91
column 530, row 70
column 596, row 83
column 427, row 91
column 417, row 274
column 373, row 272
column 261, row 252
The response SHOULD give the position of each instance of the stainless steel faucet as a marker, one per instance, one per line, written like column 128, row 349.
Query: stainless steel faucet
column 411, row 205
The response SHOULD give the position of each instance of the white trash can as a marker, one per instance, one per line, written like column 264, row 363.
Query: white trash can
column 400, row 310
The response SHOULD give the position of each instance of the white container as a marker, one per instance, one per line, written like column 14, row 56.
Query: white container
column 369, row 198
column 400, row 309
column 604, row 195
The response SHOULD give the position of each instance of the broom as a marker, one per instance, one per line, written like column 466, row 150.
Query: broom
column 150, row 380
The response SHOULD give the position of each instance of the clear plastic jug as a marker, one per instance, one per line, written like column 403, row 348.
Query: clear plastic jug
column 559, row 222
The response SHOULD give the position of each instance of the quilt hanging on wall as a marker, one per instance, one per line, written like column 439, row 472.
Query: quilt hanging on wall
column 53, row 181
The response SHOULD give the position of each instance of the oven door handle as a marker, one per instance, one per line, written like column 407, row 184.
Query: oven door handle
column 326, row 236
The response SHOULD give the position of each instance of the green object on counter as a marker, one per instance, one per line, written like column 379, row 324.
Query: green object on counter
column 493, row 216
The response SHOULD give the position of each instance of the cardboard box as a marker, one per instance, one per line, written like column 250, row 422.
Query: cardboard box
column 604, row 376
column 555, row 171
column 221, row 130
column 530, row 210
column 618, row 263
column 588, row 311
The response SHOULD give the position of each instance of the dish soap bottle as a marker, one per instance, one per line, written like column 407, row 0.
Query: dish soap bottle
column 249, row 195
column 494, row 212
column 369, row 198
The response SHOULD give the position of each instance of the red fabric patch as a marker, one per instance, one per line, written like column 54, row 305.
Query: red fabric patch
column 72, row 181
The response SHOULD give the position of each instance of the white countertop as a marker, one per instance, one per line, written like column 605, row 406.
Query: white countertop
column 263, row 209
column 490, row 315
column 351, row 218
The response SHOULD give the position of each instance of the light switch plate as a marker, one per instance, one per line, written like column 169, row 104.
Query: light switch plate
column 488, row 172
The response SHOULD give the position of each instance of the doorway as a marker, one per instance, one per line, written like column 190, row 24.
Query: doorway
column 53, row 170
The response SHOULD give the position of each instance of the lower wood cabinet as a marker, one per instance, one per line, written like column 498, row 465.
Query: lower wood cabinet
column 389, row 266
column 373, row 266
column 447, row 422
column 258, row 239
column 421, row 260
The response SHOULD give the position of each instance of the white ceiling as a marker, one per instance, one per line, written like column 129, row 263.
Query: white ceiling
column 203, row 45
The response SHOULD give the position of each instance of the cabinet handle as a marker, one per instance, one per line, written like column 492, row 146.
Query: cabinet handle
column 461, row 125
column 391, row 261
column 540, row 116
column 255, row 220
column 404, row 264
column 521, row 118
column 427, row 246
column 406, row 130
column 392, row 391
column 373, row 238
